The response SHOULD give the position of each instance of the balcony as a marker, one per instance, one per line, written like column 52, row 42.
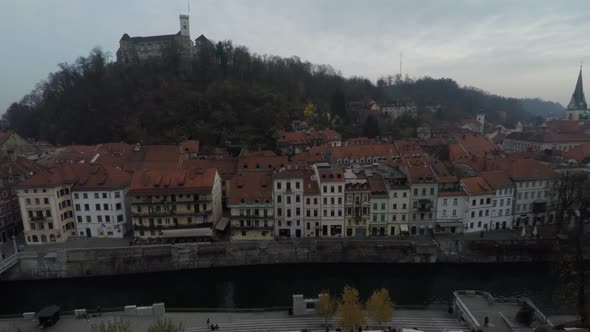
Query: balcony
column 171, row 226
column 539, row 207
column 425, row 205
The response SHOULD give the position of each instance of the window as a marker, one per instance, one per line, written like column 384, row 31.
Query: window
column 296, row 184
column 88, row 219
column 481, row 201
column 106, row 207
column 315, row 201
column 99, row 218
column 279, row 198
column 288, row 199
column 104, row 195
column 325, row 200
column 382, row 206
column 332, row 200
column 487, row 213
column 374, row 206
column 96, row 195
column 331, row 189
column 118, row 206
column 472, row 214
column 404, row 206
column 325, row 189
column 454, row 213
column 444, row 213
column 77, row 207
column 37, row 201
column 339, row 189
column 76, row 195
column 339, row 200
column 403, row 217
column 431, row 191
column 500, row 213
column 297, row 211
column 444, row 202
column 297, row 197
column 108, row 218
column 119, row 217
column 415, row 192
column 28, row 201
column 395, row 195
column 97, row 207
column 46, row 200
column 454, row 201
column 423, row 191
column 474, row 202
column 278, row 185
column 415, row 204
column 87, row 207
column 395, row 206
column 488, row 200
column 85, row 196
column 307, row 201
column 495, row 201
column 279, row 212
column 480, row 213
column 117, row 194
column 405, row 194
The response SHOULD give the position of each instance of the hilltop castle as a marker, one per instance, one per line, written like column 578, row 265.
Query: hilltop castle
column 577, row 109
column 136, row 49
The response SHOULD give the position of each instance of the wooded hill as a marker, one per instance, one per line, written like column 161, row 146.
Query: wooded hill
column 224, row 94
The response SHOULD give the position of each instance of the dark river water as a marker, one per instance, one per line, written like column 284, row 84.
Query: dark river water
column 273, row 285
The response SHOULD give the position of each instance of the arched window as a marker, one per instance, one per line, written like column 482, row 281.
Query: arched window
column 51, row 238
column 35, row 238
column 43, row 238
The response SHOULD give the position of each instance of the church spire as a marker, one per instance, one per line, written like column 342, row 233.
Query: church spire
column 578, row 101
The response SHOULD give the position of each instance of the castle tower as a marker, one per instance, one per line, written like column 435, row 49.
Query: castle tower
column 577, row 106
column 185, row 26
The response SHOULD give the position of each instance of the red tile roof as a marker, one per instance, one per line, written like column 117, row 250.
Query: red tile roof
column 477, row 186
column 263, row 162
column 310, row 186
column 50, row 177
column 158, row 182
column 189, row 146
column 580, row 153
column 98, row 177
column 524, row 168
column 377, row 184
column 497, row 178
column 225, row 167
column 331, row 175
column 251, row 188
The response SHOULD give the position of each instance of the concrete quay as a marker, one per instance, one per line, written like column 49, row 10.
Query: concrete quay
column 427, row 320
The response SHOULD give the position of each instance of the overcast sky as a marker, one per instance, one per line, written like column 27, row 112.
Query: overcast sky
column 513, row 48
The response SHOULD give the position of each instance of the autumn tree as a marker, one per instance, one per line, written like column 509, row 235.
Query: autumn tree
column 310, row 110
column 379, row 306
column 350, row 309
column 166, row 325
column 326, row 307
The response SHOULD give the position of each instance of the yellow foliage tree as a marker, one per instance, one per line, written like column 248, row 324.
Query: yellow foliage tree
column 326, row 307
column 379, row 306
column 309, row 110
column 350, row 310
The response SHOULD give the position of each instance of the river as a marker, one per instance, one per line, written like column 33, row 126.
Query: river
column 273, row 285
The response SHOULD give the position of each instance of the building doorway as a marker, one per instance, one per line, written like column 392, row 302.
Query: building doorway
column 88, row 232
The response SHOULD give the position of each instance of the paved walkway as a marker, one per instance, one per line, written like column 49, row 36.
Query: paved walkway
column 426, row 320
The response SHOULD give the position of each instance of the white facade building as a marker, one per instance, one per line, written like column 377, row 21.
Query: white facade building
column 312, row 206
column 288, row 203
column 331, row 183
column 101, row 213
column 479, row 204
column 503, row 199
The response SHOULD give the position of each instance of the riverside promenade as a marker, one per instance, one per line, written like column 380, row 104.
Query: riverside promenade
column 428, row 320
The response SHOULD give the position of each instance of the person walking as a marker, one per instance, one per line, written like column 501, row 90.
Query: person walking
column 486, row 321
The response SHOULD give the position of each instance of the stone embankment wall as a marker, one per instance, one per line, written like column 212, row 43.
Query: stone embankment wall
column 142, row 259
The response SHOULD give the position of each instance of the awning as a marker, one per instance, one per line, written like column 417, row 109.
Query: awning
column 187, row 232
column 222, row 223
column 403, row 228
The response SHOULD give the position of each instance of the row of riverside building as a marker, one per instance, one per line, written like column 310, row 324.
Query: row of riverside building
column 175, row 193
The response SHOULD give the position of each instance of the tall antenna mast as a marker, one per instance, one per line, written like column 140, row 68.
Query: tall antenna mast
column 188, row 5
column 400, row 63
